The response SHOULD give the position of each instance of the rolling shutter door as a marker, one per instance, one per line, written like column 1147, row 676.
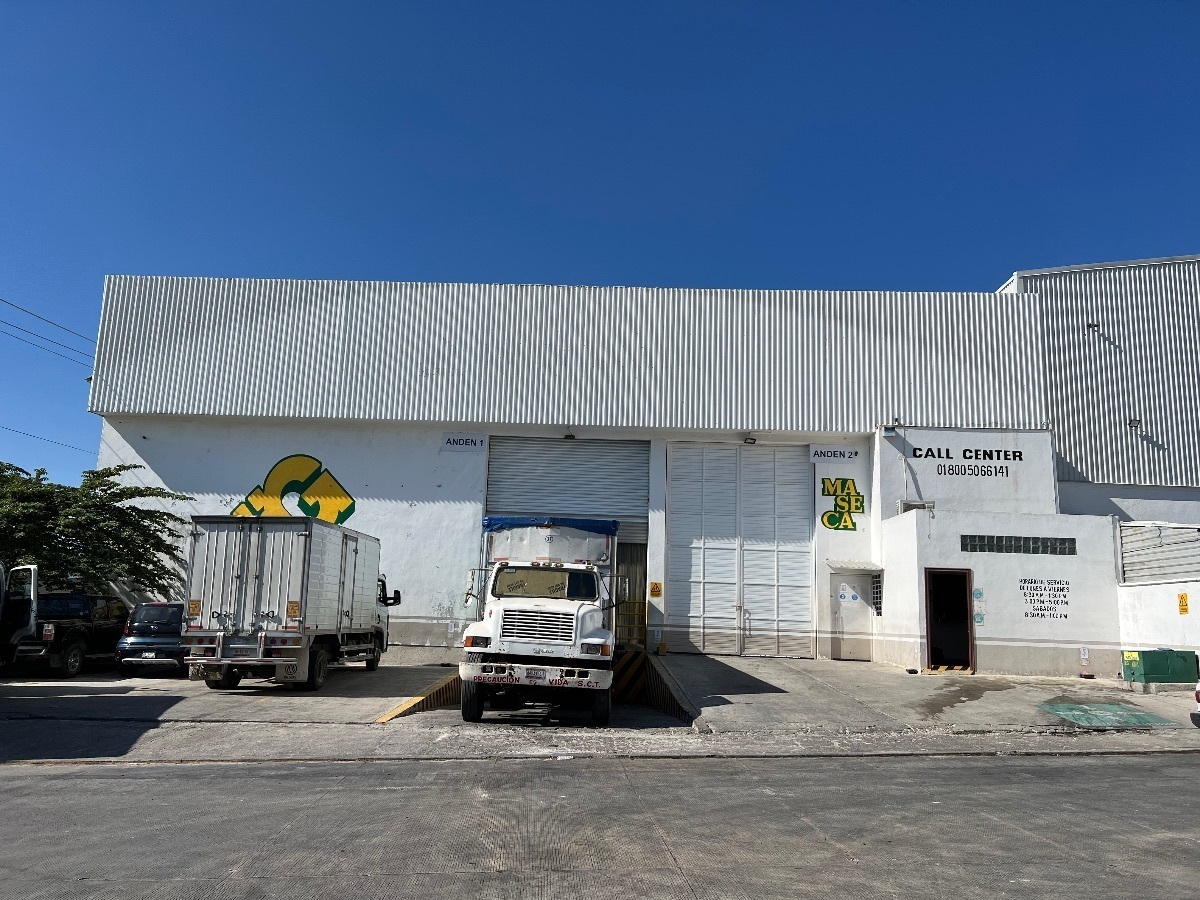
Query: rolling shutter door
column 1159, row 553
column 583, row 478
column 739, row 533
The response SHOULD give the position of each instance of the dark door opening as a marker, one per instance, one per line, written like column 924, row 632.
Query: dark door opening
column 631, row 614
column 948, row 613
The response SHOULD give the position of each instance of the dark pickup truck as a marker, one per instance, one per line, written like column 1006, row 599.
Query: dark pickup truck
column 72, row 628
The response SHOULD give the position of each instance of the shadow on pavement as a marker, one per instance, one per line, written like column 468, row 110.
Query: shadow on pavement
column 77, row 718
column 545, row 715
column 354, row 682
column 708, row 681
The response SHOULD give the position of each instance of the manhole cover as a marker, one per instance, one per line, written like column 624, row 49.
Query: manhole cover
column 1107, row 715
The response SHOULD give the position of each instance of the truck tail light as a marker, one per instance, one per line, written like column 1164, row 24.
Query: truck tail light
column 48, row 632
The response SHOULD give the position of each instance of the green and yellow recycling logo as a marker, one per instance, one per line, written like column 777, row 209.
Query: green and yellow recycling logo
column 319, row 494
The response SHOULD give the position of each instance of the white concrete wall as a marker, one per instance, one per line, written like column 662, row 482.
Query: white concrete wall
column 950, row 467
column 1150, row 616
column 1018, row 634
column 1131, row 502
column 833, row 538
column 424, row 504
column 899, row 632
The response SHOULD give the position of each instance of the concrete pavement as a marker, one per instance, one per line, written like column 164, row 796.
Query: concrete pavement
column 756, row 695
column 573, row 829
column 755, row 708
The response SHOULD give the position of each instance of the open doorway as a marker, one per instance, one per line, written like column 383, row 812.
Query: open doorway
column 948, row 618
column 631, row 614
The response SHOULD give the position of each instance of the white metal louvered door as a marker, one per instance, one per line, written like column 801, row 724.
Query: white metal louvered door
column 739, row 531
column 775, row 507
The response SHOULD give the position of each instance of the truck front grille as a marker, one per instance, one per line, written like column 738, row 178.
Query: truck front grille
column 535, row 625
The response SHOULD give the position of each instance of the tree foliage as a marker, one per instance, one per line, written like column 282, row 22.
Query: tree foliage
column 85, row 537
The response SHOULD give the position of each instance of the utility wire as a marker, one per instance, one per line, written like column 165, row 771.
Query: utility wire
column 46, row 339
column 47, row 440
column 46, row 350
column 47, row 321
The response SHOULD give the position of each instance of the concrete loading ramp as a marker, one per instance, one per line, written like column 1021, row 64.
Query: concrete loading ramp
column 746, row 694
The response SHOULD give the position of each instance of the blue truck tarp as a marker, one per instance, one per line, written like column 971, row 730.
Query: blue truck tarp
column 595, row 526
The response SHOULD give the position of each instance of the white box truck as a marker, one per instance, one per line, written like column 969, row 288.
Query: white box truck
column 281, row 598
column 545, row 602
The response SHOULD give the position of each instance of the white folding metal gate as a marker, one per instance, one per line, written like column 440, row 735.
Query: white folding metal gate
column 586, row 478
column 739, row 557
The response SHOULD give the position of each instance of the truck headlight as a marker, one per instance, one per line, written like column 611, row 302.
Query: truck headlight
column 597, row 649
column 476, row 640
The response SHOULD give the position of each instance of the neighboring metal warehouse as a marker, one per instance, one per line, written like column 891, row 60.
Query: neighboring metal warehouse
column 876, row 475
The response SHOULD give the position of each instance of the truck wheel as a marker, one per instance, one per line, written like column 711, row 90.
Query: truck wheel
column 226, row 682
column 373, row 659
column 601, row 707
column 318, row 669
column 472, row 702
column 72, row 660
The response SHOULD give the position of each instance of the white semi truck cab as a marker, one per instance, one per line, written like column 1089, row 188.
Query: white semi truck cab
column 545, row 603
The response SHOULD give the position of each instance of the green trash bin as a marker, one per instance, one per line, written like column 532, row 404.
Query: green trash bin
column 1160, row 666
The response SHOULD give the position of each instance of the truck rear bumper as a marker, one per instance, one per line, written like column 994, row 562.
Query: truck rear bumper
column 281, row 669
column 551, row 675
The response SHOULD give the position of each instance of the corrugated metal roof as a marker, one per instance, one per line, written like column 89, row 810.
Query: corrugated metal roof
column 1123, row 346
column 836, row 361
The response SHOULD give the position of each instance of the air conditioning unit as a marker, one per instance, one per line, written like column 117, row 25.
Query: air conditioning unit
column 903, row 506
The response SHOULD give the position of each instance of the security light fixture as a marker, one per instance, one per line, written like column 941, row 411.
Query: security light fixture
column 1135, row 423
column 569, row 436
column 749, row 440
column 1093, row 326
column 889, row 430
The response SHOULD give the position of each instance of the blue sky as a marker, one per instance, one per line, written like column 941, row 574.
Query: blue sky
column 898, row 145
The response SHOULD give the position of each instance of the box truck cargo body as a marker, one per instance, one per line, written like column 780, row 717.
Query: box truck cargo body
column 281, row 598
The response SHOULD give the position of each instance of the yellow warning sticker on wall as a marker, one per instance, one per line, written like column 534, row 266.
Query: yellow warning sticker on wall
column 656, row 589
column 1183, row 610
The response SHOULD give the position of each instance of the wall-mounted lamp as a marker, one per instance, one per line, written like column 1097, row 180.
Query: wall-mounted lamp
column 749, row 440
column 889, row 430
column 1135, row 423
column 569, row 436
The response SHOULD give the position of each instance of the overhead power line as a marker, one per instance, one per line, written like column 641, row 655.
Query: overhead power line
column 16, row 337
column 46, row 339
column 30, row 312
column 38, row 437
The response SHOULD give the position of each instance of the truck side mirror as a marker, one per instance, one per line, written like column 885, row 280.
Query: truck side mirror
column 394, row 600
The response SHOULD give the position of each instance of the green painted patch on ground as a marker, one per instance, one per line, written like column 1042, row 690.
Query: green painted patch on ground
column 1107, row 715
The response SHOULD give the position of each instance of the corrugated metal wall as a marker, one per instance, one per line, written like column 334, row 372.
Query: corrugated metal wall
column 584, row 356
column 1123, row 343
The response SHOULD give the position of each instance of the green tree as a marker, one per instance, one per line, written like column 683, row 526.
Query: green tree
column 86, row 536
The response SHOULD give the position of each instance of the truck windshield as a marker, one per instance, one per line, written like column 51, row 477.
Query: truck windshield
column 517, row 581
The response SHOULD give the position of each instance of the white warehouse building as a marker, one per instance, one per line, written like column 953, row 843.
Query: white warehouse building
column 979, row 481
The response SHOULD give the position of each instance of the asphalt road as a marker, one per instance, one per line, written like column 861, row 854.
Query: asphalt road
column 583, row 828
